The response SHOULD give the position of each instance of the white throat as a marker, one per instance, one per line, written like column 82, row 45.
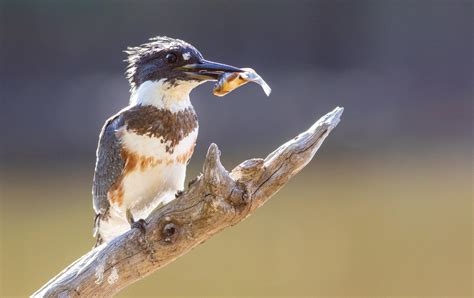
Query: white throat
column 163, row 95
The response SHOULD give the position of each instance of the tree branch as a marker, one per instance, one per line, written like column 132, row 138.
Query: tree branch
column 215, row 200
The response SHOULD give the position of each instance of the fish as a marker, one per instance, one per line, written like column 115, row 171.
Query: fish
column 227, row 82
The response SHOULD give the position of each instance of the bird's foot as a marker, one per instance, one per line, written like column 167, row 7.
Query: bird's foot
column 139, row 224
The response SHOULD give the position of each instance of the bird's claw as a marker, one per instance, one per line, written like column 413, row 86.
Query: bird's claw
column 139, row 224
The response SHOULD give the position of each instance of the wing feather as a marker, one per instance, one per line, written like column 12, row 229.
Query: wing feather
column 109, row 164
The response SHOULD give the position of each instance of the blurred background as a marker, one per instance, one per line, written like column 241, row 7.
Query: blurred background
column 385, row 209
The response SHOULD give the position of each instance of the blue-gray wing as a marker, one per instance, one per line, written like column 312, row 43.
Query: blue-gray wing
column 109, row 164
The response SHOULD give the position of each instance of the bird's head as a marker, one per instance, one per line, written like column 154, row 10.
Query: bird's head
column 173, row 64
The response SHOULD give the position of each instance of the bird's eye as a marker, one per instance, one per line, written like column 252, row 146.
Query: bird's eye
column 171, row 58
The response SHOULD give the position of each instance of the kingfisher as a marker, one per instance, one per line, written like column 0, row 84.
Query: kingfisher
column 144, row 149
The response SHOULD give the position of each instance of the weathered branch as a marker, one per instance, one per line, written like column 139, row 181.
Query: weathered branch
column 214, row 200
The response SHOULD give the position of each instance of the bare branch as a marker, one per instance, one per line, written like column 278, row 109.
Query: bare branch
column 215, row 200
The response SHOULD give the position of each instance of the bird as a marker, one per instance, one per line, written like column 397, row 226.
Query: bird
column 144, row 149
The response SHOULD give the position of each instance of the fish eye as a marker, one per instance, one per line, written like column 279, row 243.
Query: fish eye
column 171, row 58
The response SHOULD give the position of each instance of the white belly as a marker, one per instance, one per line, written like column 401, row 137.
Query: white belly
column 146, row 188
column 162, row 175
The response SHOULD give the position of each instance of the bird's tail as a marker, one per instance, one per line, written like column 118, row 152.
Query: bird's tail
column 95, row 231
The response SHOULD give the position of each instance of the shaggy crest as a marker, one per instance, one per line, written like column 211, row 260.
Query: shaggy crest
column 143, row 53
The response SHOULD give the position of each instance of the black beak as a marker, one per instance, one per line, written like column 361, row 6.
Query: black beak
column 208, row 70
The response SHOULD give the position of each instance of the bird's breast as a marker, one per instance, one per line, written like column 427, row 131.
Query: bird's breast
column 155, row 155
column 149, row 150
column 159, row 135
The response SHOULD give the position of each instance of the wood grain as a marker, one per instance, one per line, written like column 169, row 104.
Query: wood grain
column 213, row 201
